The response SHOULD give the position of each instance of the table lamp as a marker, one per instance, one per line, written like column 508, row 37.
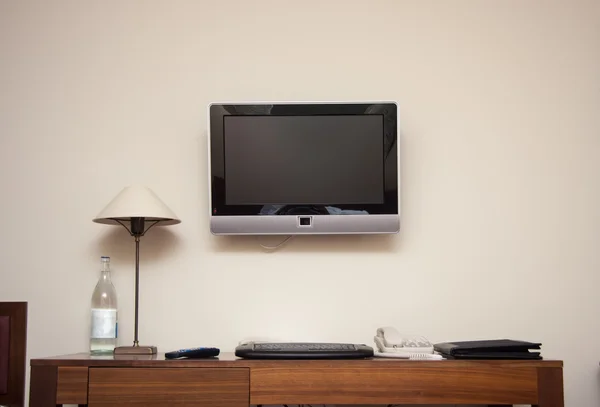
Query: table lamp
column 137, row 208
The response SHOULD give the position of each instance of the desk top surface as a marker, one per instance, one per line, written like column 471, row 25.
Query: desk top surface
column 228, row 359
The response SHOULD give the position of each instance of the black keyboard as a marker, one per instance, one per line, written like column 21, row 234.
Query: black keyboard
column 303, row 350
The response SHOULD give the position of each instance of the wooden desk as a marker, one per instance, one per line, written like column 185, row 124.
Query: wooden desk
column 231, row 382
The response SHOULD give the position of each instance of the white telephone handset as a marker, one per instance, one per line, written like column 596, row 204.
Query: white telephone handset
column 391, row 344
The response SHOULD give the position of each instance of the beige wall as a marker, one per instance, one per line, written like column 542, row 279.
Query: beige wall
column 500, row 105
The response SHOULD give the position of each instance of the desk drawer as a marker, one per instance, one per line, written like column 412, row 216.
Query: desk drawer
column 429, row 384
column 223, row 387
column 72, row 385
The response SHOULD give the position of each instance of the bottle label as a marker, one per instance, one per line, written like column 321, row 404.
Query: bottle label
column 104, row 323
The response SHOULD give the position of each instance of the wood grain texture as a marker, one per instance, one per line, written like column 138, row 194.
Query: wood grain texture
column 230, row 381
column 550, row 387
column 15, row 386
column 168, row 386
column 72, row 385
column 42, row 386
column 426, row 384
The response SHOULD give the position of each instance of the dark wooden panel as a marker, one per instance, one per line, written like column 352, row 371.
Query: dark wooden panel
column 72, row 385
column 428, row 384
column 17, row 313
column 4, row 352
column 226, row 387
column 550, row 387
column 42, row 386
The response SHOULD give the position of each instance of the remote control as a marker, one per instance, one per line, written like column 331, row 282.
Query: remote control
column 193, row 353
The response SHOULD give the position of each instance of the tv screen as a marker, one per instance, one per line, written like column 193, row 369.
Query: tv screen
column 288, row 168
column 303, row 160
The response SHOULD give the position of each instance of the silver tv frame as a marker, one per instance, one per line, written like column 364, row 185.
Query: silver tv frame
column 303, row 224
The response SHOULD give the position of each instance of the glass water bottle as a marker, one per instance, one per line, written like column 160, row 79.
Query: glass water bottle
column 103, row 337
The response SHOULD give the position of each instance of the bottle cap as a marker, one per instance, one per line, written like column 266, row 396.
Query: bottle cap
column 104, row 259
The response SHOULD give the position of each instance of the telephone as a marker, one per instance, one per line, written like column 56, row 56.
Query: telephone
column 391, row 344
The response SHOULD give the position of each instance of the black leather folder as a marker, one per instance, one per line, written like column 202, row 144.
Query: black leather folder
column 489, row 349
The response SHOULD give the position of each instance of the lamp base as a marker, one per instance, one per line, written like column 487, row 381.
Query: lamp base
column 135, row 350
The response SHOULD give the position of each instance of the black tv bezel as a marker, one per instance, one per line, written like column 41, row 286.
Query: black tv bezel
column 218, row 111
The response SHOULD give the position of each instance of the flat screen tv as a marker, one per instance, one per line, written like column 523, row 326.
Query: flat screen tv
column 291, row 168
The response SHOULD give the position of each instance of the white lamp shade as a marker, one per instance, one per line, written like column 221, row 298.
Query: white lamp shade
column 136, row 201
